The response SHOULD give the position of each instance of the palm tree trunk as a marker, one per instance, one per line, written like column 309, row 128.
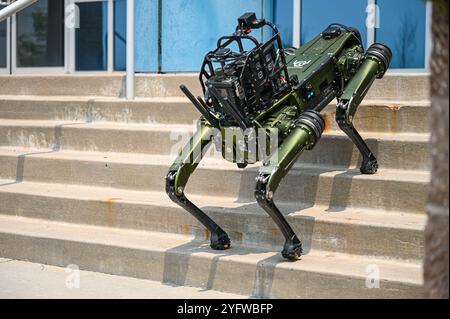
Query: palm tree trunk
column 436, row 270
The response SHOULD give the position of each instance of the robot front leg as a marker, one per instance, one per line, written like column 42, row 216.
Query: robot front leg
column 376, row 62
column 178, row 176
column 306, row 132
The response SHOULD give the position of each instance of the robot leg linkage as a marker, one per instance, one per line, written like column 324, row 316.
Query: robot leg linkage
column 369, row 163
column 378, row 58
column 308, row 129
column 178, row 176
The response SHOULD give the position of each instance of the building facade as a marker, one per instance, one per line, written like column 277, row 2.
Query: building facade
column 70, row 36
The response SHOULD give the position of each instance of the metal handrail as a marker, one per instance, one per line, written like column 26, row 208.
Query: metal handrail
column 19, row 5
column 14, row 7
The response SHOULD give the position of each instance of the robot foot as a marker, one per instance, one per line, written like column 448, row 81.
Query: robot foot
column 369, row 166
column 220, row 240
column 292, row 250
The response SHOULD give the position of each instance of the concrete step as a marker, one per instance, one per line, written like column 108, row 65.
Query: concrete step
column 391, row 190
column 397, row 151
column 182, row 260
column 25, row 280
column 390, row 235
column 394, row 86
column 372, row 116
column 97, row 84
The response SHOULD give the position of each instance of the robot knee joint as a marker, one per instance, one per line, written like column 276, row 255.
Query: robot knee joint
column 263, row 195
column 342, row 118
column 174, row 194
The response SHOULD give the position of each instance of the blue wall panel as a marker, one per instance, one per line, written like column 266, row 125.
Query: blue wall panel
column 402, row 27
column 120, row 34
column 318, row 14
column 192, row 27
column 146, row 35
column 283, row 18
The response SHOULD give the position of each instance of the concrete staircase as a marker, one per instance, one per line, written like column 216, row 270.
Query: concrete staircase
column 82, row 182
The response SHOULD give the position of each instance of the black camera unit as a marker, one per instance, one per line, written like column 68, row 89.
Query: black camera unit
column 240, row 84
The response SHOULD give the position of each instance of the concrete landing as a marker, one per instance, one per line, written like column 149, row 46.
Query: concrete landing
column 26, row 280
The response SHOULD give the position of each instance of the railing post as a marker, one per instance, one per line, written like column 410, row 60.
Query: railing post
column 130, row 50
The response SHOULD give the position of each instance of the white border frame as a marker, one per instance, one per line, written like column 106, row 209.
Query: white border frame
column 371, row 34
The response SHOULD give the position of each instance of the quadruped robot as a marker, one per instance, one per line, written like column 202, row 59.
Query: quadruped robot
column 271, row 88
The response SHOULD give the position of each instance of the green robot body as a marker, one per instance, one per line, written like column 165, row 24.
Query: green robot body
column 251, row 95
